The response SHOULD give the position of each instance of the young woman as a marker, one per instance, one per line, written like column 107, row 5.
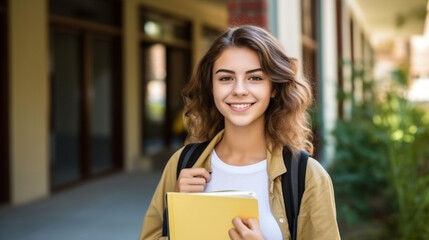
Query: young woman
column 248, row 100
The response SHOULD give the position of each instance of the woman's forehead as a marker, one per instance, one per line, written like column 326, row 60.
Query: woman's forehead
column 237, row 58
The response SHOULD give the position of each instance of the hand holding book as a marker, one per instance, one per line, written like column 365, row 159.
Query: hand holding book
column 248, row 229
column 212, row 215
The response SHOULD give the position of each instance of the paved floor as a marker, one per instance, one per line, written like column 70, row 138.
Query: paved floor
column 111, row 208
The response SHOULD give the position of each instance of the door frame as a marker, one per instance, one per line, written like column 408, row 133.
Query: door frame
column 4, row 107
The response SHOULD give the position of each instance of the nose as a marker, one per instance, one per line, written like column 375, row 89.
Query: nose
column 240, row 88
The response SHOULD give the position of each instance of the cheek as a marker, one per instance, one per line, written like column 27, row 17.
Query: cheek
column 217, row 96
column 219, row 91
column 263, row 91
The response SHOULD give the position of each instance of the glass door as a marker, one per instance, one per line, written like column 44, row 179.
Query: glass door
column 86, row 90
column 85, row 106
column 101, row 99
column 66, row 112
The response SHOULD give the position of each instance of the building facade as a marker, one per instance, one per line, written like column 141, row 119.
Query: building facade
column 90, row 88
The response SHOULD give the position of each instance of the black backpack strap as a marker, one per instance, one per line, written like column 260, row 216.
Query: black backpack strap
column 187, row 159
column 293, row 186
column 190, row 155
column 302, row 170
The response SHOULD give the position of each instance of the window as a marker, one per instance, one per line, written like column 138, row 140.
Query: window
column 161, row 27
column 86, row 90
column 166, row 67
column 309, row 54
column 106, row 12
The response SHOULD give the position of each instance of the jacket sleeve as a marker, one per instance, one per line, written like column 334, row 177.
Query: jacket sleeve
column 317, row 217
column 152, row 223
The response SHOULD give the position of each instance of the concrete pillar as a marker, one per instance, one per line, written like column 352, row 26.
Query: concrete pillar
column 131, row 88
column 29, row 92
column 289, row 27
column 328, row 76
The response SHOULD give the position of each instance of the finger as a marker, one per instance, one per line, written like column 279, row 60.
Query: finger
column 195, row 172
column 247, row 228
column 192, row 181
column 191, row 188
column 239, row 225
column 201, row 172
column 190, row 184
column 251, row 223
column 233, row 234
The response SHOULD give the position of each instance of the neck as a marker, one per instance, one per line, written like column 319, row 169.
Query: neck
column 242, row 146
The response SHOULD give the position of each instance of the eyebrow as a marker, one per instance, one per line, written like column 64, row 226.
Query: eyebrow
column 230, row 71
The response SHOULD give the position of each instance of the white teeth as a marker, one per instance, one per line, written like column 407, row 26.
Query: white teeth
column 240, row 106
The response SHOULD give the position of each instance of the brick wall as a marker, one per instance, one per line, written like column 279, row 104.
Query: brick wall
column 252, row 12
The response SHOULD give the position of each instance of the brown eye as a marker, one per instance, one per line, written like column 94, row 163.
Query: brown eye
column 255, row 78
column 225, row 79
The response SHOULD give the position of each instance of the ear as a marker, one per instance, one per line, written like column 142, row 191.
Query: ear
column 273, row 92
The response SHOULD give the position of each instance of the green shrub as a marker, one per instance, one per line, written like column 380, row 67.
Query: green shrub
column 381, row 168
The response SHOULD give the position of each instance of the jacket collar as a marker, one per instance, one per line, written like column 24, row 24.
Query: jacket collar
column 275, row 164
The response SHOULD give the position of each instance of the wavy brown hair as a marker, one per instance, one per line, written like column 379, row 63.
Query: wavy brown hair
column 287, row 122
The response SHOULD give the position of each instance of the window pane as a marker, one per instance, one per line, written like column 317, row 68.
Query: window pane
column 102, row 11
column 161, row 27
column 65, row 115
column 101, row 104
column 179, row 66
column 155, row 97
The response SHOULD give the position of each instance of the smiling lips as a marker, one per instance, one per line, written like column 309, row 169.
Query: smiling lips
column 240, row 106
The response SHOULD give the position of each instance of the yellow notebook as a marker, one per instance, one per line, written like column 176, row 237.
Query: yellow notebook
column 208, row 216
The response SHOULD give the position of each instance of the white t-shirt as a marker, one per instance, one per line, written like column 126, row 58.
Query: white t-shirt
column 252, row 177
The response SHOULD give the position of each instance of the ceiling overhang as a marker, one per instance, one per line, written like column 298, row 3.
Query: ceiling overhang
column 391, row 19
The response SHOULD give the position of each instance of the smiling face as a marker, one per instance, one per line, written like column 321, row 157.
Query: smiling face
column 241, row 90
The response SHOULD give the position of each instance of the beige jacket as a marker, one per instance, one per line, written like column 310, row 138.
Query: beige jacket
column 317, row 216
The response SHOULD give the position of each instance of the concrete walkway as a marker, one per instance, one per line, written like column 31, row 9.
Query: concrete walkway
column 111, row 208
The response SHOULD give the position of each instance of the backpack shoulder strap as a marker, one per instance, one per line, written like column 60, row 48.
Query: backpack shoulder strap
column 293, row 186
column 189, row 155
column 187, row 159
